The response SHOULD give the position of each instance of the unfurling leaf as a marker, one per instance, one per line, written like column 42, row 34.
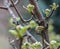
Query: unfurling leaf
column 54, row 6
column 26, row 45
column 13, row 32
column 53, row 44
column 11, row 21
column 30, row 7
column 36, row 45
column 33, row 24
column 23, row 31
column 47, row 12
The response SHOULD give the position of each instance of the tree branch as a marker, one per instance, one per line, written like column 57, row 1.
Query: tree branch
column 44, row 34
column 36, row 9
column 1, row 7
column 19, row 14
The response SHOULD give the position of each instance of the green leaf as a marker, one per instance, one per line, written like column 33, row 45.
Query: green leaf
column 26, row 45
column 30, row 7
column 18, row 27
column 13, row 32
column 53, row 44
column 33, row 24
column 54, row 6
column 23, row 31
column 11, row 21
column 36, row 45
column 47, row 12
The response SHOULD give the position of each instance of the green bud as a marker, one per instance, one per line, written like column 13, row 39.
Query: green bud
column 18, row 27
column 30, row 7
column 33, row 24
column 23, row 31
column 11, row 21
column 36, row 45
column 53, row 44
column 47, row 12
column 26, row 45
column 54, row 6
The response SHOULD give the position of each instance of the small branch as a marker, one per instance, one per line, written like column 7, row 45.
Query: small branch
column 15, row 3
column 36, row 10
column 3, row 8
column 31, row 37
column 20, row 42
column 28, row 34
column 44, row 34
column 19, row 14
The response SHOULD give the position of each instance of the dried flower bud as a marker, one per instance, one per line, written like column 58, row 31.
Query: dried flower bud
column 39, row 29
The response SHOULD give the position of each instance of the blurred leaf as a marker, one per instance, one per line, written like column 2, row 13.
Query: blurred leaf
column 13, row 32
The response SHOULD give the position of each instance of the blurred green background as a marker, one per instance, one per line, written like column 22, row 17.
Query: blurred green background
column 54, row 22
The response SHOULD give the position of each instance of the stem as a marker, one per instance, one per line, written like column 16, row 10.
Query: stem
column 20, row 42
column 44, row 34
column 19, row 14
column 3, row 8
column 15, row 3
column 31, row 37
column 58, row 47
column 36, row 9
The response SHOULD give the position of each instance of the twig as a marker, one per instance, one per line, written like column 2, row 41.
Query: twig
column 15, row 3
column 1, row 7
column 58, row 47
column 36, row 9
column 20, row 44
column 44, row 34
column 19, row 14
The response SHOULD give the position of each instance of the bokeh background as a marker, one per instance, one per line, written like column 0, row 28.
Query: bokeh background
column 54, row 27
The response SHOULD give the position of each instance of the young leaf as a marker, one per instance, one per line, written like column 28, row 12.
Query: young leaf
column 53, row 44
column 47, row 12
column 30, row 7
column 54, row 6
column 13, row 32
column 23, row 31
column 26, row 45
column 33, row 24
column 11, row 21
column 36, row 45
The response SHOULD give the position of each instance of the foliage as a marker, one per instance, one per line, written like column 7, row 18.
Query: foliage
column 20, row 31
column 39, row 25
